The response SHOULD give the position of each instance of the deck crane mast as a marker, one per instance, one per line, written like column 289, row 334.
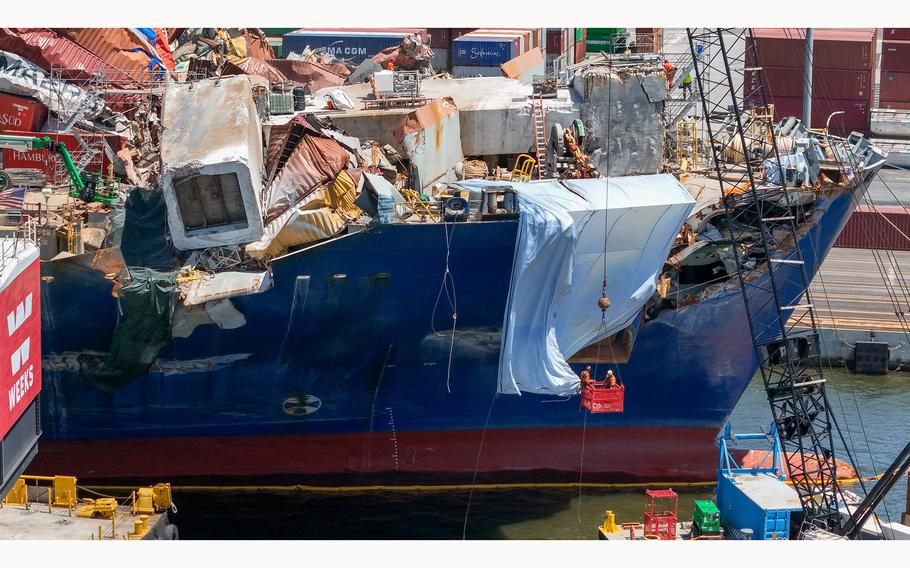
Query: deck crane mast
column 773, row 279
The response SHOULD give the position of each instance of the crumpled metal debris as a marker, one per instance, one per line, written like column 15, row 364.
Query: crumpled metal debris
column 22, row 77
column 410, row 55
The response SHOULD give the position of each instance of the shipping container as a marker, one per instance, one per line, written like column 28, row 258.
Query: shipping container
column 440, row 61
column 351, row 45
column 894, row 105
column 761, row 504
column 46, row 162
column 554, row 42
column 847, row 48
column 830, row 83
column 440, row 37
column 894, row 86
column 534, row 36
column 580, row 52
column 465, row 71
column 21, row 114
column 483, row 51
column 602, row 39
column 855, row 117
column 896, row 56
column 868, row 229
column 523, row 38
column 895, row 33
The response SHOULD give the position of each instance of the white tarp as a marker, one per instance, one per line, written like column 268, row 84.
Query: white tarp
column 559, row 264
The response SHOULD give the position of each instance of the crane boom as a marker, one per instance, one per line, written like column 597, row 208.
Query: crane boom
column 772, row 273
column 773, row 279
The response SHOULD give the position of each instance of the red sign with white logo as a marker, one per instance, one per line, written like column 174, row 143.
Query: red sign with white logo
column 20, row 350
column 21, row 114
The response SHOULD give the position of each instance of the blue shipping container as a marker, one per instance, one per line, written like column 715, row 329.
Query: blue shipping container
column 353, row 48
column 759, row 502
column 465, row 71
column 482, row 52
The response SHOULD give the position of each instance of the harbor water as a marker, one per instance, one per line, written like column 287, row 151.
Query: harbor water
column 870, row 409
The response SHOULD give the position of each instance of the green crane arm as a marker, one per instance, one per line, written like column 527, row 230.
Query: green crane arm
column 26, row 143
column 75, row 176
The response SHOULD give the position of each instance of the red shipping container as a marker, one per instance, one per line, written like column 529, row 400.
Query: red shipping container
column 42, row 159
column 829, row 83
column 778, row 81
column 895, row 86
column 855, row 117
column 868, row 230
column 895, row 33
column 844, row 48
column 895, row 56
column 894, row 105
column 843, row 84
column 554, row 42
column 580, row 51
column 440, row 38
column 21, row 114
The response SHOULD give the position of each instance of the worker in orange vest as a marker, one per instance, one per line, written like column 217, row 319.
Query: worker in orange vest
column 669, row 70
column 610, row 380
column 586, row 376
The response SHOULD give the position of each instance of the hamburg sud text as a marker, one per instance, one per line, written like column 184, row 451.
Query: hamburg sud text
column 20, row 365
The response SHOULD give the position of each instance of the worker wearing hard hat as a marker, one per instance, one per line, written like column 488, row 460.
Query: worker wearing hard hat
column 585, row 377
column 610, row 380
column 669, row 70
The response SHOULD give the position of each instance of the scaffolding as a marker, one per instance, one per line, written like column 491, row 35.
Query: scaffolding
column 79, row 101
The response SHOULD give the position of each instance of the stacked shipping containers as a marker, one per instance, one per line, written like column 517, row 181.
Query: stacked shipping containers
column 441, row 42
column 843, row 64
column 894, row 90
column 20, row 116
column 354, row 45
column 482, row 51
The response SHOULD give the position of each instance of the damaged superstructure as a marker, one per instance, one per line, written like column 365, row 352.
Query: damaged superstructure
column 322, row 277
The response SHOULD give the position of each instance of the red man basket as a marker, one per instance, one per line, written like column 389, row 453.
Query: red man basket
column 597, row 398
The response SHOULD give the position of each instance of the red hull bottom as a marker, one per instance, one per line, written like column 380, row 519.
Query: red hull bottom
column 442, row 457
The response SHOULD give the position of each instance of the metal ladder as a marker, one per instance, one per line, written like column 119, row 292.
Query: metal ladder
column 771, row 270
column 538, row 116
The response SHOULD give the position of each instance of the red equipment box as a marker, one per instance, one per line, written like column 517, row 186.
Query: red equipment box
column 598, row 399
column 661, row 507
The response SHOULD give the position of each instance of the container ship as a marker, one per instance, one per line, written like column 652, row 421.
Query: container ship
column 373, row 289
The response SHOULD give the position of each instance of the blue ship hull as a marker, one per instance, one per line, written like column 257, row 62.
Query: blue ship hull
column 346, row 371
